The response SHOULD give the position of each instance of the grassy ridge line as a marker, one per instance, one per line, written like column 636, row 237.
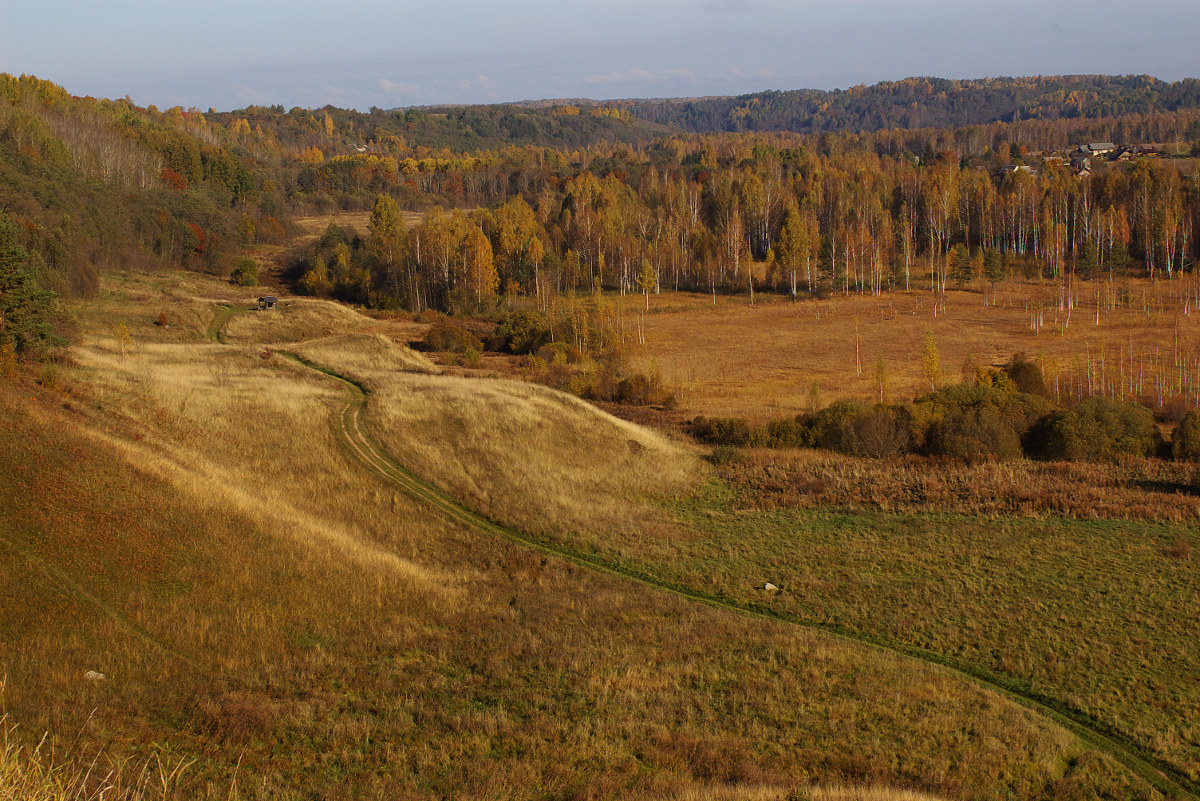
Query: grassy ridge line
column 1163, row 776
column 68, row 586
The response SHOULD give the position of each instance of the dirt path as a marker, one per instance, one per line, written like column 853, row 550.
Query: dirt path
column 359, row 441
column 216, row 327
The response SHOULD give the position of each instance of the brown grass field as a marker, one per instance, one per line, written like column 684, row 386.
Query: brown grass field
column 312, row 227
column 184, row 518
column 760, row 361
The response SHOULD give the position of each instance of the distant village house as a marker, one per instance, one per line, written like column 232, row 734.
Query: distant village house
column 267, row 302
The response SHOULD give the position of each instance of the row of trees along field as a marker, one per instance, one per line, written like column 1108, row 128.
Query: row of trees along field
column 993, row 414
column 779, row 213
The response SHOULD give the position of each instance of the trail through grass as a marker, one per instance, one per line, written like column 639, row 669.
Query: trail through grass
column 358, row 440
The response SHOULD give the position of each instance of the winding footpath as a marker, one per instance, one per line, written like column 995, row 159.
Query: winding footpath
column 358, row 441
column 363, row 446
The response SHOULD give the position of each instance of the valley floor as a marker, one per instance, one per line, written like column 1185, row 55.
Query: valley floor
column 188, row 517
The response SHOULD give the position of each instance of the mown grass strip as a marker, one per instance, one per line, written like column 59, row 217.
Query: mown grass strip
column 1158, row 773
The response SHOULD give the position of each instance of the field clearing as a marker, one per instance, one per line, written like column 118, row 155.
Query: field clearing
column 317, row 633
column 760, row 361
column 1093, row 615
column 315, row 225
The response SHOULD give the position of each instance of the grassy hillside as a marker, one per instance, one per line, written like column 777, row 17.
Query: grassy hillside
column 185, row 519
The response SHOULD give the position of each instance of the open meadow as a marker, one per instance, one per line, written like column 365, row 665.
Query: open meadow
column 730, row 358
column 275, row 620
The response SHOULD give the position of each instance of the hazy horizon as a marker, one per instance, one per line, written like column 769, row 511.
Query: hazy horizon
column 229, row 55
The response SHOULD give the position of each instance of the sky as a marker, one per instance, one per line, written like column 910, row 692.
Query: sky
column 228, row 54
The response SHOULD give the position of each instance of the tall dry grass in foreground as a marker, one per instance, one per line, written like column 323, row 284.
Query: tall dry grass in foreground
column 33, row 774
column 820, row 793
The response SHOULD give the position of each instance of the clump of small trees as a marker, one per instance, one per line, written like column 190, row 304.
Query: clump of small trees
column 1000, row 414
column 573, row 349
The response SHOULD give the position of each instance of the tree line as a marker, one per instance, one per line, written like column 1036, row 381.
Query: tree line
column 617, row 205
column 997, row 413
column 924, row 102
column 754, row 213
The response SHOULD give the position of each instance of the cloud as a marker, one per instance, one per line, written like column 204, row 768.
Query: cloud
column 727, row 5
column 641, row 77
column 681, row 74
column 250, row 97
column 615, row 78
column 479, row 84
column 392, row 89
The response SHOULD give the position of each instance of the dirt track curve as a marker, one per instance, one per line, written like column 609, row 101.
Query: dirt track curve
column 358, row 440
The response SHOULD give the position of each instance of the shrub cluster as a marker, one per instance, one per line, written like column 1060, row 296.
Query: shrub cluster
column 1097, row 430
column 604, row 378
column 522, row 332
column 245, row 274
column 1185, row 444
column 446, row 336
column 990, row 419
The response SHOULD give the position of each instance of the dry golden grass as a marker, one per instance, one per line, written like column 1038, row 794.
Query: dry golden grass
column 185, row 520
column 218, row 404
column 760, row 361
column 369, row 359
column 820, row 793
column 205, row 414
column 294, row 320
column 543, row 460
column 313, row 226
column 573, row 676
column 1137, row 489
column 523, row 453
column 31, row 774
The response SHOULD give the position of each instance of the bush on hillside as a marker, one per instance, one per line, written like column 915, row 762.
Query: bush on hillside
column 1026, row 375
column 972, row 434
column 882, row 432
column 835, row 427
column 787, row 433
column 524, row 331
column 977, row 421
column 447, row 336
column 1097, row 430
column 1185, row 442
column 245, row 274
column 733, row 431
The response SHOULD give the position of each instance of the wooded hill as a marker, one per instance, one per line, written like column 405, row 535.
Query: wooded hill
column 97, row 184
column 574, row 197
column 923, row 103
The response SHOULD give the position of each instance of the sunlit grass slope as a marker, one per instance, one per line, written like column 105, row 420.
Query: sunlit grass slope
column 183, row 519
column 519, row 452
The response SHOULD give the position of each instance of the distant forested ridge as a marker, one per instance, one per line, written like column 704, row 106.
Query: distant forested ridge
column 459, row 129
column 923, row 103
